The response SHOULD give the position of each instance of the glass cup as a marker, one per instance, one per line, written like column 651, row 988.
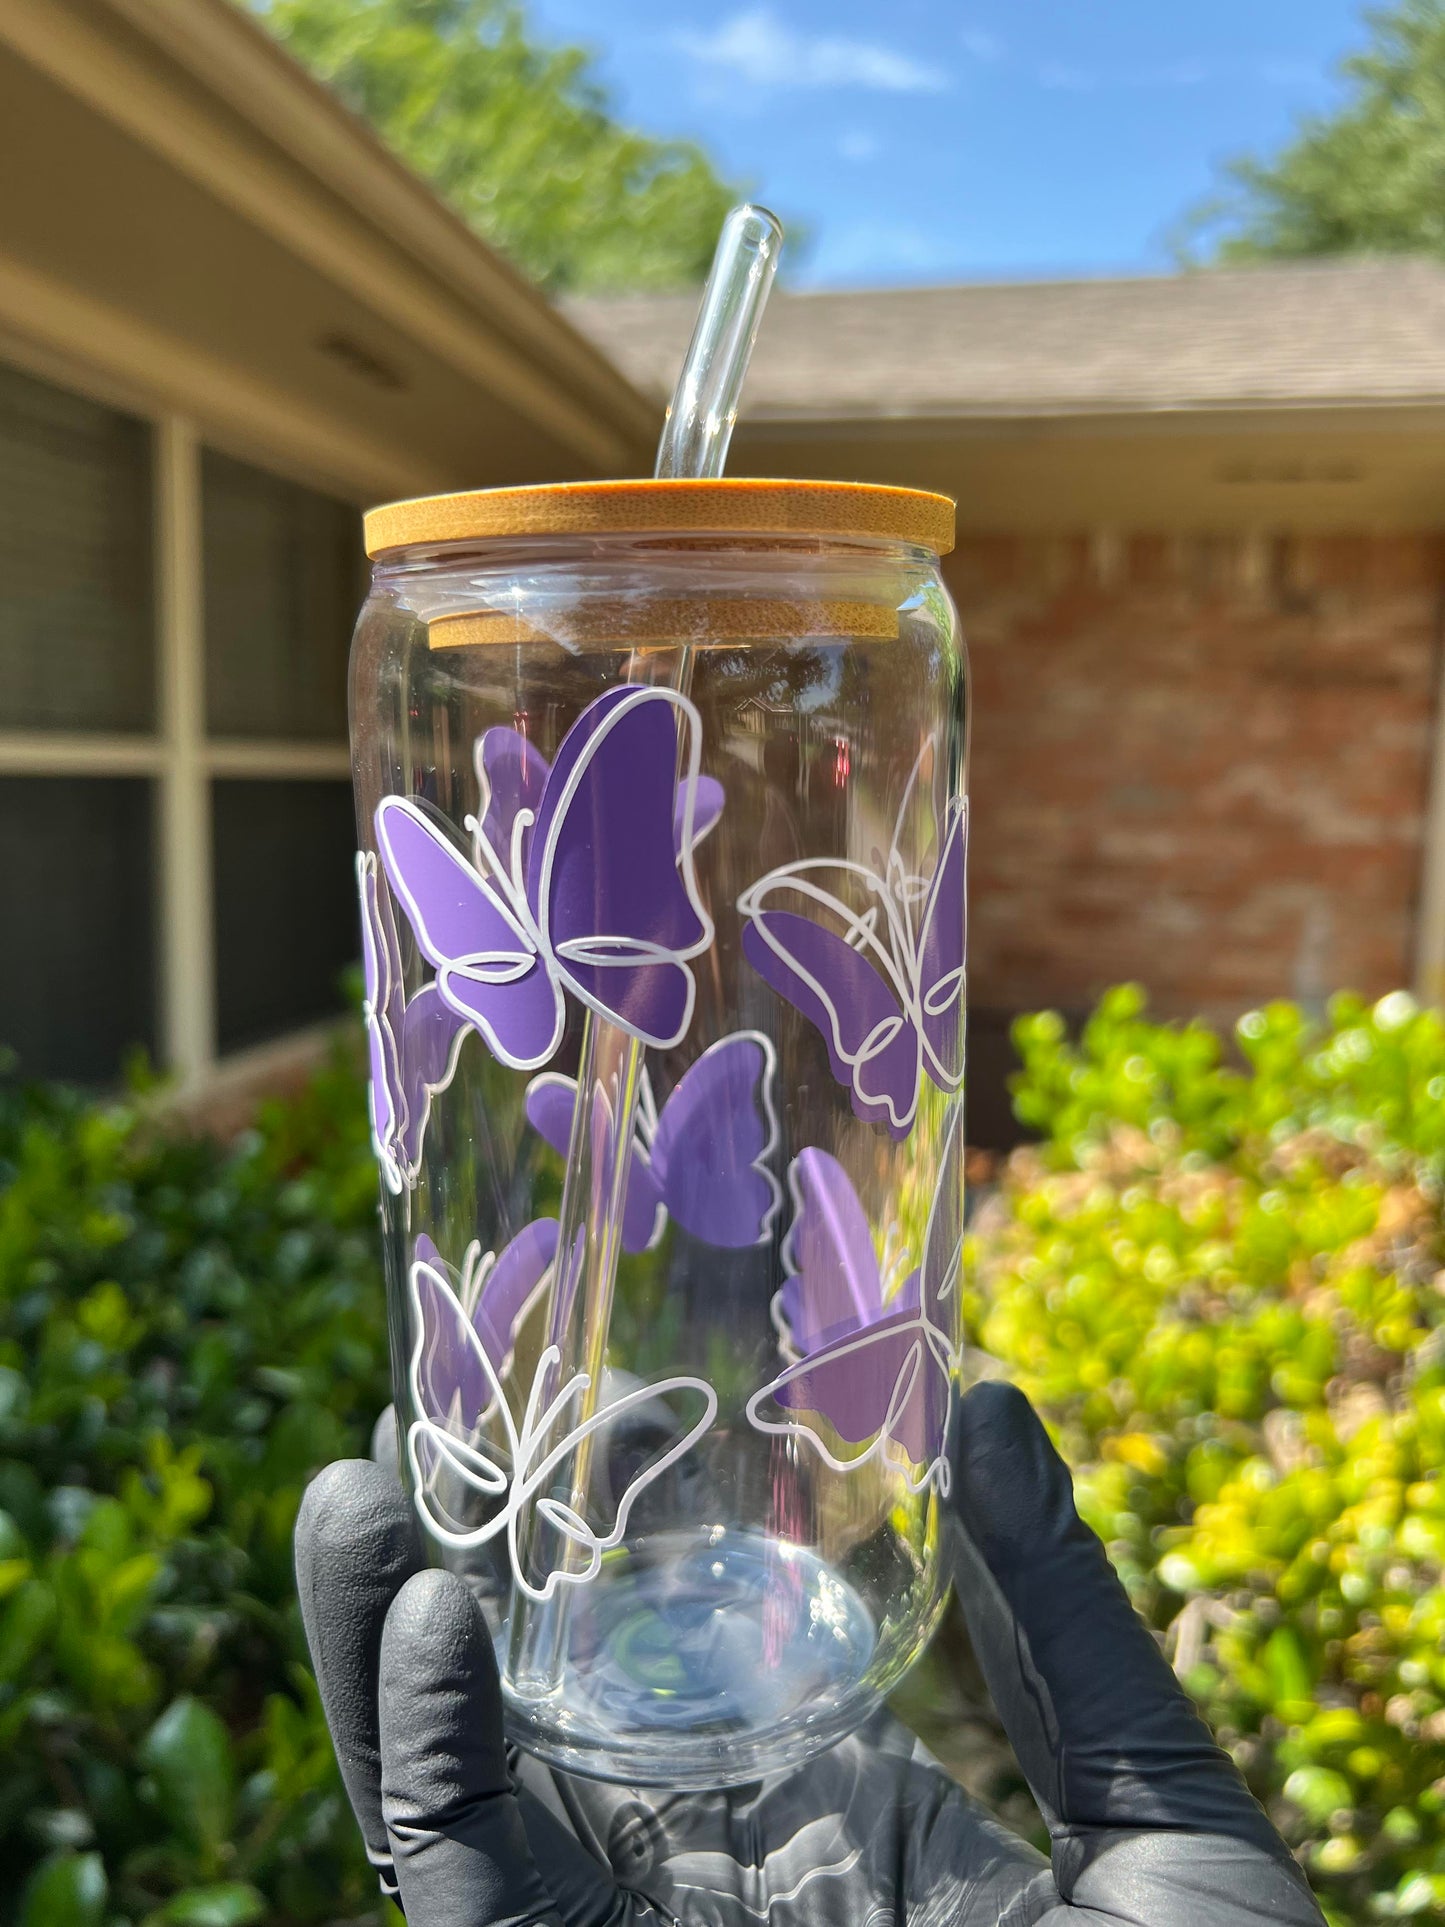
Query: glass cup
column 661, row 796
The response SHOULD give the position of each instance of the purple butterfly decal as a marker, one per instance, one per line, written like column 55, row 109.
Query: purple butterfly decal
column 874, row 1365
column 461, row 1352
column 875, row 963
column 703, row 1158
column 512, row 778
column 412, row 1044
column 466, row 1325
column 576, row 881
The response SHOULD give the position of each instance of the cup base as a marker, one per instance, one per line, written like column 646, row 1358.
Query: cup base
column 701, row 1660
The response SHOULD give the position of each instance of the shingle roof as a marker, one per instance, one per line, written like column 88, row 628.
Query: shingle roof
column 1326, row 333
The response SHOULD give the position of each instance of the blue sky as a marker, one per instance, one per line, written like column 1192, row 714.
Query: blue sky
column 926, row 140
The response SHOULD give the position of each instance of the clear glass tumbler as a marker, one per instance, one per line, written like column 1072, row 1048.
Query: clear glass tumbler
column 661, row 797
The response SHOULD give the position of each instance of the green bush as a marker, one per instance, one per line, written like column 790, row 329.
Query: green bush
column 186, row 1332
column 1223, row 1286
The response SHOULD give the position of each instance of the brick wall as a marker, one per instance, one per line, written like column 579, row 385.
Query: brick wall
column 1199, row 763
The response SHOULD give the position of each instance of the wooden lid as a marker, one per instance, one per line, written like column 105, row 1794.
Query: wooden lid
column 725, row 506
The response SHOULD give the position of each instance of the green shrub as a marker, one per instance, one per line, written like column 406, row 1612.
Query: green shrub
column 186, row 1332
column 1223, row 1286
column 1223, row 1283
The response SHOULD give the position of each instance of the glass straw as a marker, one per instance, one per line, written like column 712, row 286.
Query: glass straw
column 695, row 437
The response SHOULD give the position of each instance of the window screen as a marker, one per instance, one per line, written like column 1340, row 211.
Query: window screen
column 283, row 576
column 77, row 966
column 286, row 917
column 76, row 628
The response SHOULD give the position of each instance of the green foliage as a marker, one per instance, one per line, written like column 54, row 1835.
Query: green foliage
column 1370, row 176
column 518, row 137
column 1224, row 1285
column 1220, row 1273
column 186, row 1332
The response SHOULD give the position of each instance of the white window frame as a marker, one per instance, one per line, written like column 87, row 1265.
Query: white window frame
column 177, row 756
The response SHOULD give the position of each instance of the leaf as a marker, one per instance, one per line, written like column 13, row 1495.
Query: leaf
column 1284, row 1660
column 25, row 1618
column 228, row 1904
column 68, row 1890
column 188, row 1754
column 518, row 136
column 1320, row 1791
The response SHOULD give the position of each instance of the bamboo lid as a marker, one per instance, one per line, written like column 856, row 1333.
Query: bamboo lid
column 729, row 505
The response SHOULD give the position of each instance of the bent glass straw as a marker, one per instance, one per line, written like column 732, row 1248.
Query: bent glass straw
column 695, row 436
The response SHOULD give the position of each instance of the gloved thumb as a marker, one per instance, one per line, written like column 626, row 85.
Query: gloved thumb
column 458, row 1841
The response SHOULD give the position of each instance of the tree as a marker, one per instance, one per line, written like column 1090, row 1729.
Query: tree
column 517, row 137
column 1368, row 177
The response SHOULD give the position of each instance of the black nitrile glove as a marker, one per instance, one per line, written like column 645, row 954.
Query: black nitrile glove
column 1151, row 1826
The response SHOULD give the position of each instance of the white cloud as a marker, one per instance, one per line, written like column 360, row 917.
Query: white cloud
column 758, row 48
column 859, row 145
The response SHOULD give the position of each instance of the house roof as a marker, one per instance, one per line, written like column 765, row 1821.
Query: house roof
column 206, row 229
column 1311, row 334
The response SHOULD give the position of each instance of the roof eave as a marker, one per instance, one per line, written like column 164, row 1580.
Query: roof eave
column 942, row 416
column 318, row 179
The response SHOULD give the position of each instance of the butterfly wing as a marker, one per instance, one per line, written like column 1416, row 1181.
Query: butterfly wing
column 942, row 1265
column 512, row 1288
column 431, row 1039
column 883, row 1382
column 714, row 1137
column 454, row 1387
column 380, row 957
column 832, row 1280
column 451, row 1385
column 511, row 777
column 614, row 900
column 873, row 1046
column 941, row 952
column 381, row 1003
column 551, row 1105
column 488, row 968
column 384, row 1102
column 703, row 795
column 868, row 1372
column 644, row 1414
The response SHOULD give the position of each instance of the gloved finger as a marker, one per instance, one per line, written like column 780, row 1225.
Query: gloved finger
column 356, row 1545
column 468, row 1851
column 1106, row 1736
column 385, row 1445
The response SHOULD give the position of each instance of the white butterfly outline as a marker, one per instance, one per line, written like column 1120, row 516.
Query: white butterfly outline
column 523, row 818
column 532, row 1463
column 476, row 1272
column 646, row 1119
column 931, row 1342
column 899, row 961
column 504, row 886
column 398, row 1172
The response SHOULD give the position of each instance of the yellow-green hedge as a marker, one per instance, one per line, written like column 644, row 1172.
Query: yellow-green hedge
column 1223, row 1286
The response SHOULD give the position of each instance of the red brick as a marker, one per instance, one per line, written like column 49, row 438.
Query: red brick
column 1194, row 772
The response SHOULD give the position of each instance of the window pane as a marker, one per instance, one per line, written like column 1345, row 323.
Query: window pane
column 77, row 968
column 76, row 629
column 283, row 575
column 286, row 921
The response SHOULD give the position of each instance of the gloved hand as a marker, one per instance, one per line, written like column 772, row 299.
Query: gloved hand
column 1150, row 1824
